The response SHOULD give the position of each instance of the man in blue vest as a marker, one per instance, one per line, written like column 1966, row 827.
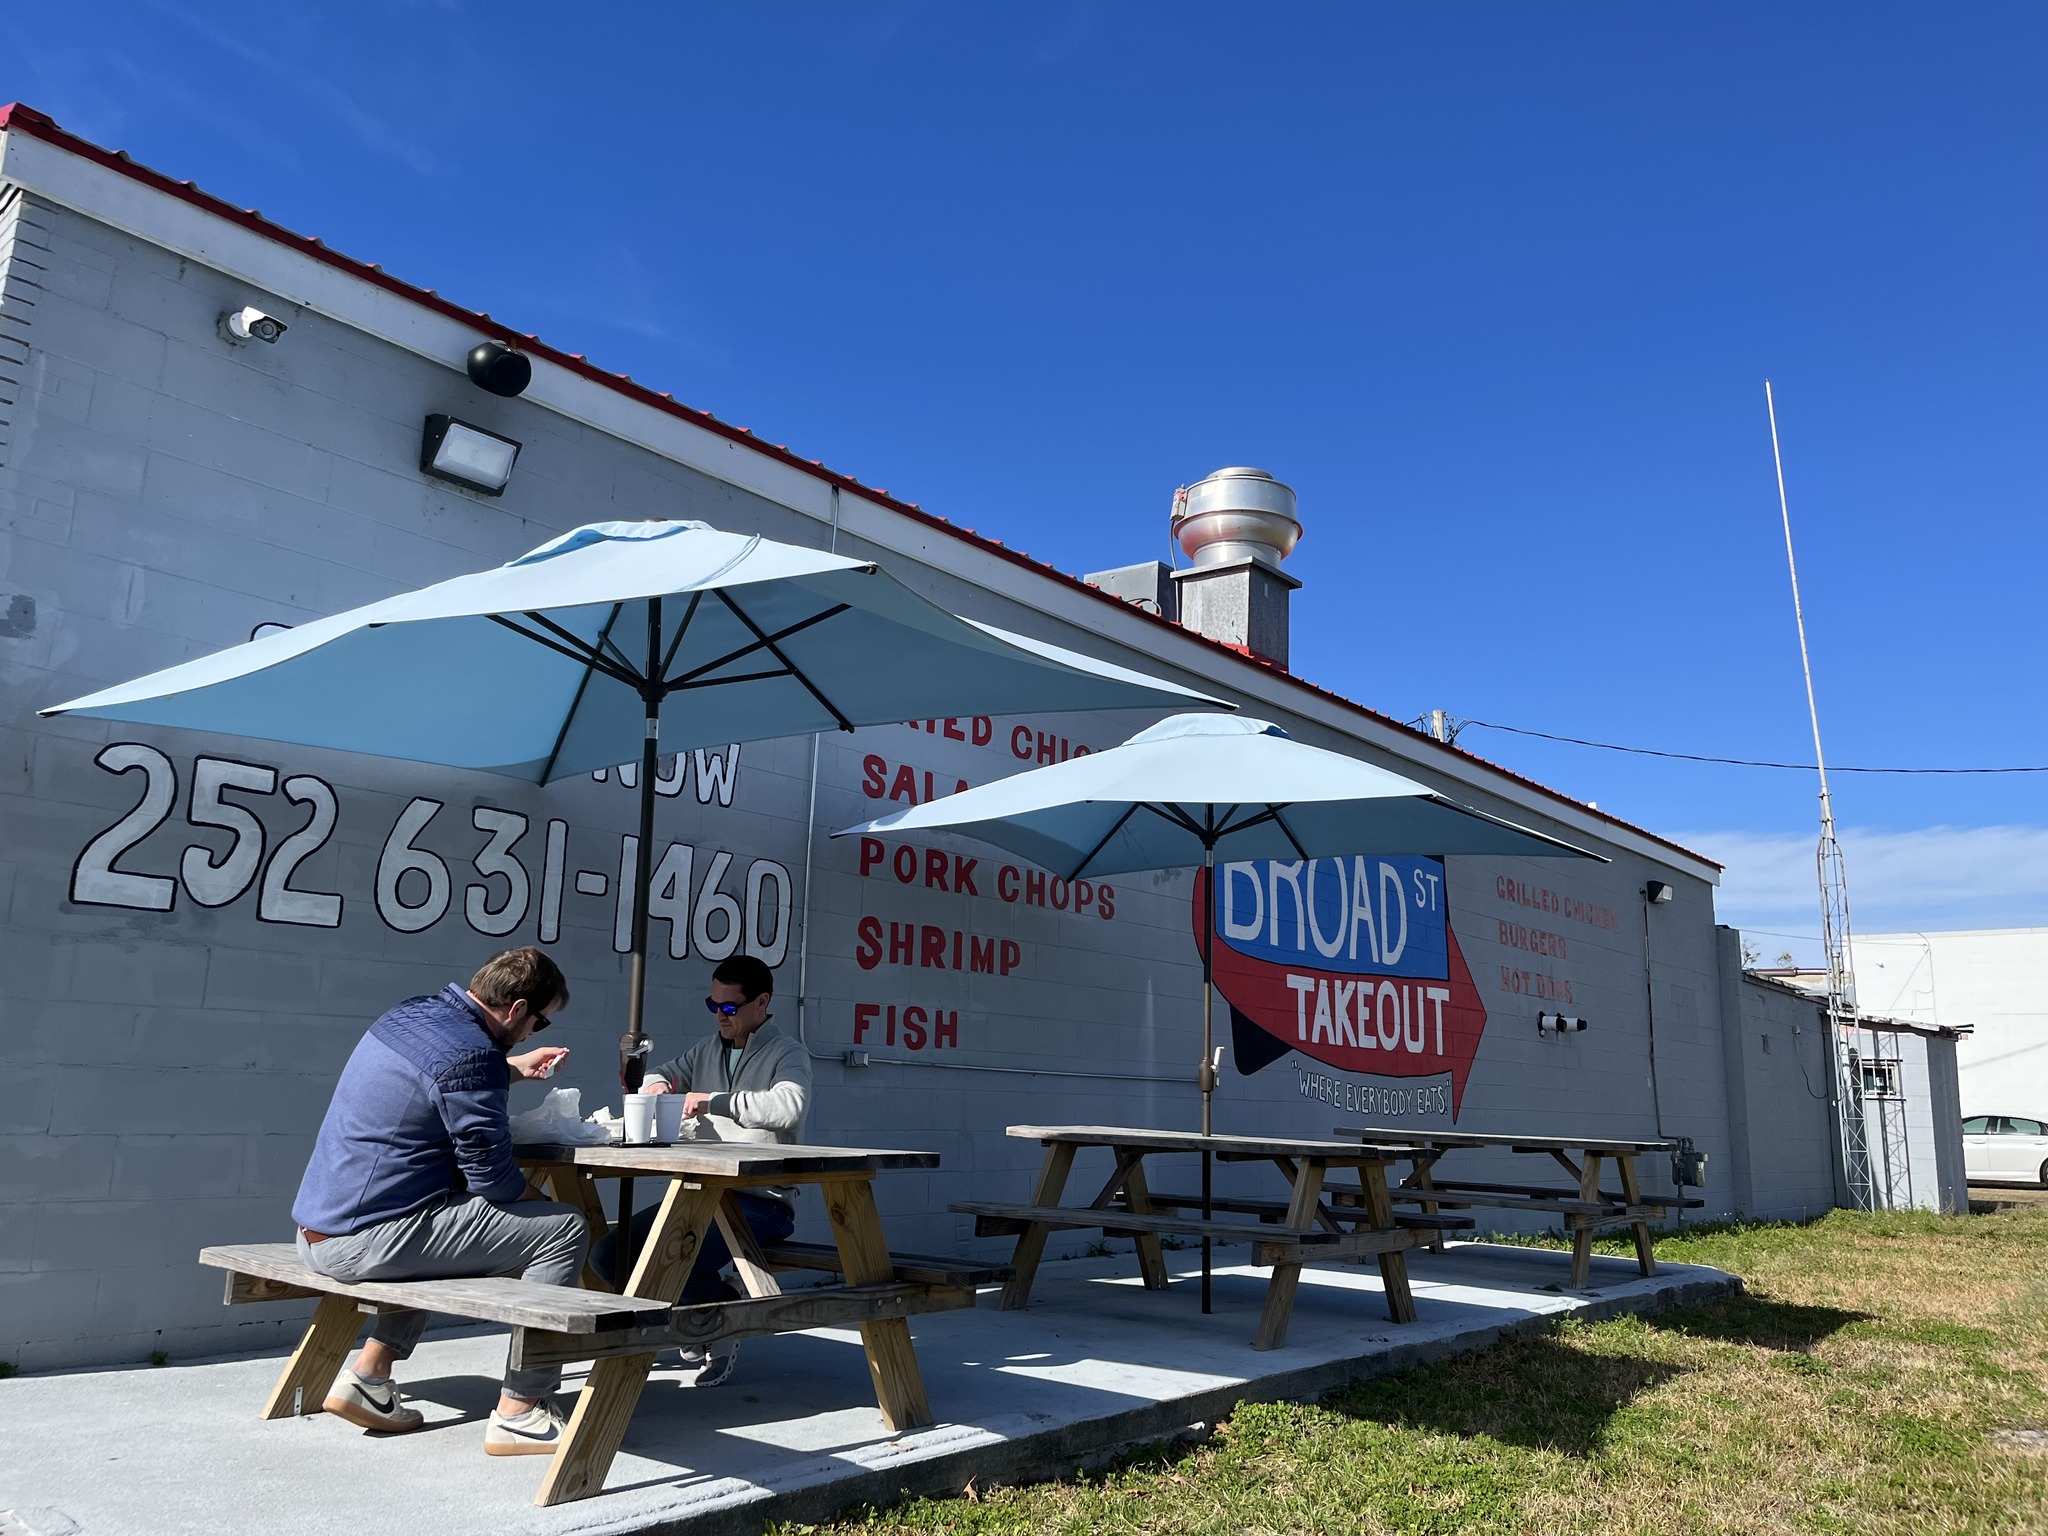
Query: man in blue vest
column 413, row 1178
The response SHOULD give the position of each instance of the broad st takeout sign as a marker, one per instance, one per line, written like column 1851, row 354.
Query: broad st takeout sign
column 1350, row 961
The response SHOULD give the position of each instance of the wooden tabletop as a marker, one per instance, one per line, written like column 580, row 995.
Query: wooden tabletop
column 1606, row 1146
column 1231, row 1146
column 728, row 1159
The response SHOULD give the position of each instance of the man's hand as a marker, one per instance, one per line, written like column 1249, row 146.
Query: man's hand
column 655, row 1085
column 695, row 1104
column 535, row 1065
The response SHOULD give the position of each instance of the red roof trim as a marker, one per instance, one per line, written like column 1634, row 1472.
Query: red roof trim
column 17, row 117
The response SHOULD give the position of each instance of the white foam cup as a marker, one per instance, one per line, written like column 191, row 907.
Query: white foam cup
column 668, row 1116
column 640, row 1117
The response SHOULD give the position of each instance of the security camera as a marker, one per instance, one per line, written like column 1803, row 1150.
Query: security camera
column 1560, row 1022
column 248, row 324
column 496, row 367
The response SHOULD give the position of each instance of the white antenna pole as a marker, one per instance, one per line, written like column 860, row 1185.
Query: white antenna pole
column 1827, row 804
column 1844, row 1033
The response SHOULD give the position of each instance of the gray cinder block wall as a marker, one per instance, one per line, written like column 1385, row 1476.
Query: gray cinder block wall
column 164, row 1061
column 1784, row 1161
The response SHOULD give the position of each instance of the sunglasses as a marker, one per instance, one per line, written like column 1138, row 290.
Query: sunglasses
column 723, row 1010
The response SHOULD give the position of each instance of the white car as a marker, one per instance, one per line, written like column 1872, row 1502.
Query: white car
column 2005, row 1149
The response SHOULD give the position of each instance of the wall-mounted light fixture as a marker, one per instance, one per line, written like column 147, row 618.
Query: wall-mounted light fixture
column 1560, row 1023
column 247, row 324
column 496, row 367
column 454, row 450
column 1657, row 892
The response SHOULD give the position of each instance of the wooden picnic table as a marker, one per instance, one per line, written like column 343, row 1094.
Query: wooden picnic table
column 622, row 1333
column 1584, row 1206
column 1305, row 1227
column 704, row 1179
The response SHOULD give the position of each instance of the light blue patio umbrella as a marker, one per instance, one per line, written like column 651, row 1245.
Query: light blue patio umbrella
column 1193, row 785
column 562, row 660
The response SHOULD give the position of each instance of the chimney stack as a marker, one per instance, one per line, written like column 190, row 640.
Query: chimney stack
column 1236, row 525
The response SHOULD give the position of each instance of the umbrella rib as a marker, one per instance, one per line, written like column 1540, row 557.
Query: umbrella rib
column 1179, row 818
column 590, row 658
column 682, row 629
column 570, row 637
column 582, row 687
column 776, row 651
column 717, row 682
column 747, row 650
column 1129, row 811
column 1281, row 822
column 1228, row 826
column 606, row 643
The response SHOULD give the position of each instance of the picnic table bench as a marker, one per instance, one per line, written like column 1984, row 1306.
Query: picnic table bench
column 1306, row 1227
column 1584, row 1205
column 621, row 1333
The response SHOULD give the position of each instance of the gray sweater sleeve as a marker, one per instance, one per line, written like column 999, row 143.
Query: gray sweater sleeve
column 675, row 1073
column 778, row 1107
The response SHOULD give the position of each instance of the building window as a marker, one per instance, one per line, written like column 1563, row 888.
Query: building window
column 1881, row 1080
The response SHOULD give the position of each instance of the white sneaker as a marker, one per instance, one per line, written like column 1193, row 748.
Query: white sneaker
column 535, row 1432
column 371, row 1405
column 691, row 1356
column 719, row 1365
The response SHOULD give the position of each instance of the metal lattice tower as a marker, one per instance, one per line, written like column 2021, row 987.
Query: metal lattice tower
column 1845, row 1035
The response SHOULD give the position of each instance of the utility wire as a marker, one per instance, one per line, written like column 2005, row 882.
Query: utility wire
column 1736, row 762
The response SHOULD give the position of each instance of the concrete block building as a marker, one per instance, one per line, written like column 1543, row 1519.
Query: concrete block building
column 197, row 930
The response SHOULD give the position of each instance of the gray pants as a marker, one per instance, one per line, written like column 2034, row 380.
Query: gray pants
column 458, row 1239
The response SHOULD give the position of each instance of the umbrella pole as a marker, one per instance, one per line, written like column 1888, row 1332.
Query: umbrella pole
column 1206, row 1077
column 633, row 1046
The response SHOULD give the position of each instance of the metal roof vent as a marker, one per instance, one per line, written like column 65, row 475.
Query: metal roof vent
column 1236, row 514
column 1237, row 525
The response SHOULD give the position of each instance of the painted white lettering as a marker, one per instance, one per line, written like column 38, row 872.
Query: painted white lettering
column 1438, row 996
column 1291, row 873
column 1346, row 991
column 1232, row 928
column 1303, row 986
column 1323, row 1028
column 1330, row 948
column 1390, row 885
column 1390, row 1016
column 1361, row 912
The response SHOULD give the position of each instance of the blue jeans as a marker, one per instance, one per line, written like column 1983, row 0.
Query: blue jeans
column 768, row 1219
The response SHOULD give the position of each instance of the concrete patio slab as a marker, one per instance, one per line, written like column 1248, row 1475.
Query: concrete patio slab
column 1096, row 1364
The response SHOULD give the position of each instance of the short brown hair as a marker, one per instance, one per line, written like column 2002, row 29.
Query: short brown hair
column 525, row 973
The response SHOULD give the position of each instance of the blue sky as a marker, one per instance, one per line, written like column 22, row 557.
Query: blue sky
column 1495, row 287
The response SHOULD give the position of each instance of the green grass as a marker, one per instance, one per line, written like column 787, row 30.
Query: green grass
column 1855, row 1387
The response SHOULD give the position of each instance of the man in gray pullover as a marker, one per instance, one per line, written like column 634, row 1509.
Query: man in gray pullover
column 747, row 1082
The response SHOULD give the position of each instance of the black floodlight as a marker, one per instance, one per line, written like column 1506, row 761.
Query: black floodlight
column 455, row 450
column 496, row 367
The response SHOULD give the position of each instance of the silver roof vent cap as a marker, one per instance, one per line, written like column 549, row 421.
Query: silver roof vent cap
column 1239, row 513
